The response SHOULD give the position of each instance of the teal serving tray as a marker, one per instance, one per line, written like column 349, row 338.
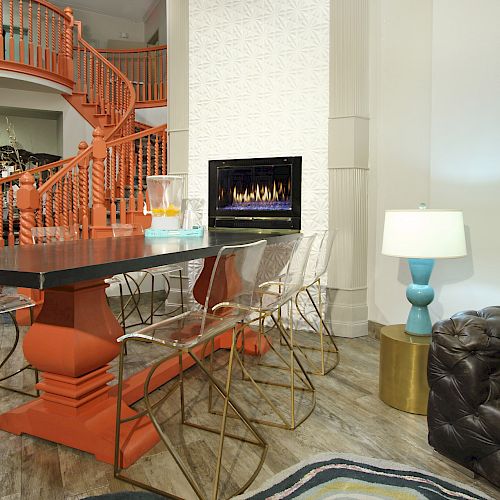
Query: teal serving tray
column 173, row 233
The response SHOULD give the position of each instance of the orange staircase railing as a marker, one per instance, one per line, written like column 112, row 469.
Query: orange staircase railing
column 37, row 40
column 147, row 70
column 105, row 180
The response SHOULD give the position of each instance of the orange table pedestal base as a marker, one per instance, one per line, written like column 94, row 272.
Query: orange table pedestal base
column 86, row 423
column 72, row 341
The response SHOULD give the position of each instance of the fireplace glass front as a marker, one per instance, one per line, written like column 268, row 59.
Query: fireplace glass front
column 262, row 193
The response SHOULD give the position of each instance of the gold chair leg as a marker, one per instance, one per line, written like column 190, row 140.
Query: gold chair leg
column 286, row 423
column 26, row 367
column 323, row 332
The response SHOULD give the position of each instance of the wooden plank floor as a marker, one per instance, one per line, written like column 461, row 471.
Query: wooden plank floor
column 348, row 418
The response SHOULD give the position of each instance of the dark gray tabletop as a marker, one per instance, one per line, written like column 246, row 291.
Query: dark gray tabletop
column 58, row 264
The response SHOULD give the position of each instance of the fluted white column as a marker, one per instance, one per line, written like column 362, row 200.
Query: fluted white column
column 347, row 309
column 178, row 85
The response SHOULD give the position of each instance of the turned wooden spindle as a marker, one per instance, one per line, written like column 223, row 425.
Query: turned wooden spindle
column 2, row 42
column 31, row 52
column 101, row 87
column 10, row 215
column 78, row 70
column 83, row 174
column 112, row 186
column 112, row 174
column 11, row 30
column 47, row 52
column 148, row 157
column 21, row 33
column 28, row 200
column 39, row 60
column 68, row 43
column 91, row 78
column 57, row 205
column 140, row 187
column 98, row 194
column 85, row 88
column 60, row 44
column 157, row 154
column 75, row 190
column 131, row 171
column 65, row 202
column 108, row 91
column 123, row 203
column 49, row 209
column 53, row 47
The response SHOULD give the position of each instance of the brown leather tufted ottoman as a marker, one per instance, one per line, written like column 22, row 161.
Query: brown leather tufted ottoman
column 464, row 400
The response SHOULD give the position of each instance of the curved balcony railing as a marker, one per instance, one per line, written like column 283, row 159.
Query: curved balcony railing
column 117, row 159
column 146, row 69
column 36, row 39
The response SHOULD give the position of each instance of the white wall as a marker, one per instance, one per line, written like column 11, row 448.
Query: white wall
column 157, row 20
column 435, row 128
column 99, row 28
column 152, row 116
column 36, row 132
column 74, row 127
column 258, row 81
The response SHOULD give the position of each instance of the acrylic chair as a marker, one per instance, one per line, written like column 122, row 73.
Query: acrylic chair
column 232, row 280
column 272, row 297
column 54, row 234
column 134, row 285
column 9, row 304
column 323, row 341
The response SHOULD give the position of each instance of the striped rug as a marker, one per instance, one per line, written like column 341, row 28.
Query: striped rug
column 349, row 477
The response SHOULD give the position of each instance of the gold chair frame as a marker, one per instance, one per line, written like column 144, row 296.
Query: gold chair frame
column 224, row 391
column 322, row 332
column 11, row 352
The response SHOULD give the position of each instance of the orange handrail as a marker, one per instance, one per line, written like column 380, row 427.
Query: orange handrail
column 132, row 51
column 137, row 135
column 36, row 170
column 146, row 68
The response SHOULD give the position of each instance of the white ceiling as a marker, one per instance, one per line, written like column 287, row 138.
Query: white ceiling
column 134, row 10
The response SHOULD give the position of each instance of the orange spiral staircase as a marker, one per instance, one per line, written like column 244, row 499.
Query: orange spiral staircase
column 104, row 181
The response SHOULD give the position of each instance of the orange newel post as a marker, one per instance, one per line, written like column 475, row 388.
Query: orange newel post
column 68, row 44
column 28, row 200
column 98, row 195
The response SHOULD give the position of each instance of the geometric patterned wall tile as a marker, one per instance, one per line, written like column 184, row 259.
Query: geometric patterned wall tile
column 258, row 87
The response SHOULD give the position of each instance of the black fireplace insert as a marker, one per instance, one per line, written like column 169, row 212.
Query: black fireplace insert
column 262, row 193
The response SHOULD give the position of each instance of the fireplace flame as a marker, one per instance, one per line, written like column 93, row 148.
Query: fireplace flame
column 260, row 193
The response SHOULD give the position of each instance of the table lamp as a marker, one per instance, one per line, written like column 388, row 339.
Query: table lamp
column 421, row 236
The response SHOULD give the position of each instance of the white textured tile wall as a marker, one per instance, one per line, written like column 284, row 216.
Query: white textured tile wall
column 258, row 87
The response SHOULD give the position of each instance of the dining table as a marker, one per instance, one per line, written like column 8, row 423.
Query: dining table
column 73, row 339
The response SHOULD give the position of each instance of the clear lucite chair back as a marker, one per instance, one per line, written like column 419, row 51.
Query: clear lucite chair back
column 324, row 254
column 233, row 280
column 52, row 234
column 294, row 277
column 120, row 230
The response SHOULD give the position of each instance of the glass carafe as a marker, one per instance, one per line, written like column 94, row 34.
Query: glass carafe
column 165, row 198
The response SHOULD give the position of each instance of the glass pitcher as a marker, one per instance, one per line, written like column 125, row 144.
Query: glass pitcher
column 165, row 198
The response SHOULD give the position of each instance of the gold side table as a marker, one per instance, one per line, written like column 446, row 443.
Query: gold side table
column 403, row 369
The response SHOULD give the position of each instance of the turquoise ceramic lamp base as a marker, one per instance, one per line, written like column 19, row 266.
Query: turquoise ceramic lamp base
column 420, row 295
